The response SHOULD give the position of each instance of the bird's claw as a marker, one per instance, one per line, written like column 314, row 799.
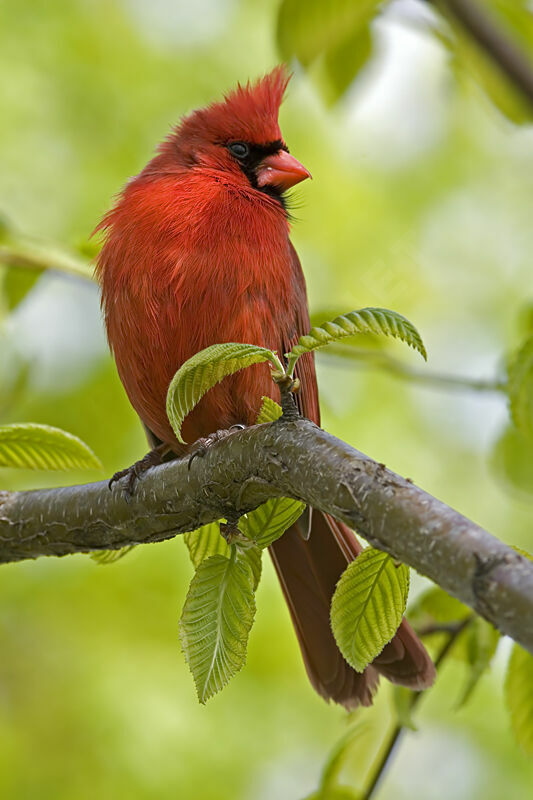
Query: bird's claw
column 133, row 473
column 201, row 446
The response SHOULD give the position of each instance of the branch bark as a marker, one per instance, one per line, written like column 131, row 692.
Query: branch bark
column 285, row 458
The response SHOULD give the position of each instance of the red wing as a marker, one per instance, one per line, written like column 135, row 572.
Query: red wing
column 307, row 397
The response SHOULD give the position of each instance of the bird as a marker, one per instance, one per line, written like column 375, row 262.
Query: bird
column 196, row 251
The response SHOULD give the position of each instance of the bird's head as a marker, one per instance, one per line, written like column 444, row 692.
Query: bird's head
column 240, row 137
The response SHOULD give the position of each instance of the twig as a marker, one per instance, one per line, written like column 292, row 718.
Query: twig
column 41, row 257
column 371, row 359
column 454, row 632
column 503, row 51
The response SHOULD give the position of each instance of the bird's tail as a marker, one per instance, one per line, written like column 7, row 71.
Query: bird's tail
column 308, row 571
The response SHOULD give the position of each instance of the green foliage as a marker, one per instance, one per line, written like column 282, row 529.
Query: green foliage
column 270, row 411
column 435, row 606
column 520, row 388
column 476, row 642
column 32, row 446
column 368, row 606
column 514, row 19
column 512, row 460
column 204, row 370
column 205, row 542
column 270, row 520
column 307, row 28
column 403, row 706
column 216, row 621
column 365, row 320
column 329, row 789
column 519, row 696
column 342, row 63
column 208, row 541
column 481, row 642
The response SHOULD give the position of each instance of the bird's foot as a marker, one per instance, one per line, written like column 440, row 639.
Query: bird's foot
column 201, row 446
column 133, row 473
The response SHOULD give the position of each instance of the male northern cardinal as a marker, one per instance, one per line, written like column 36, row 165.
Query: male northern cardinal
column 197, row 252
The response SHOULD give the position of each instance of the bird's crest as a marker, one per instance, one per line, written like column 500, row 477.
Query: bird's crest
column 249, row 112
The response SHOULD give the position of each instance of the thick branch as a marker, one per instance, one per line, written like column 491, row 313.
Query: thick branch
column 299, row 460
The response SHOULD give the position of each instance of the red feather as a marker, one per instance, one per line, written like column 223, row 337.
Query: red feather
column 194, row 255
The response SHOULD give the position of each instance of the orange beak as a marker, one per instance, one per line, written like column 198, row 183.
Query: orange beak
column 281, row 169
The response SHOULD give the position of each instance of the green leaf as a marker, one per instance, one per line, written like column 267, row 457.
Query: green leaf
column 481, row 643
column 307, row 28
column 519, row 696
column 403, row 705
column 33, row 446
column 270, row 520
column 103, row 557
column 520, row 388
column 208, row 541
column 512, row 460
column 329, row 787
column 342, row 63
column 204, row 370
column 16, row 284
column 436, row 607
column 366, row 320
column 270, row 411
column 205, row 542
column 216, row 621
column 368, row 606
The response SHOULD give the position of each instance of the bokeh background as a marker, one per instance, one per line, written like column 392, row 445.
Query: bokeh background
column 421, row 202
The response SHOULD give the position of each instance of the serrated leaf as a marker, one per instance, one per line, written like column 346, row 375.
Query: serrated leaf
column 481, row 643
column 270, row 411
column 365, row 320
column 270, row 520
column 208, row 541
column 31, row 446
column 204, row 370
column 216, row 621
column 368, row 606
column 205, row 542
column 520, row 388
column 519, row 696
column 103, row 557
column 307, row 28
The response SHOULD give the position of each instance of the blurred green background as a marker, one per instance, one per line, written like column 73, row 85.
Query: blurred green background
column 421, row 202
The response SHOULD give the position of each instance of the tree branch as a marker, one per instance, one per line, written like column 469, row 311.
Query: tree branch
column 285, row 458
column 503, row 51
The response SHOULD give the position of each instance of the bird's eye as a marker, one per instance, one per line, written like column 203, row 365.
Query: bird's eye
column 239, row 149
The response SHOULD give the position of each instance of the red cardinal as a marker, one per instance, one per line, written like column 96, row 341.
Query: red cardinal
column 197, row 252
